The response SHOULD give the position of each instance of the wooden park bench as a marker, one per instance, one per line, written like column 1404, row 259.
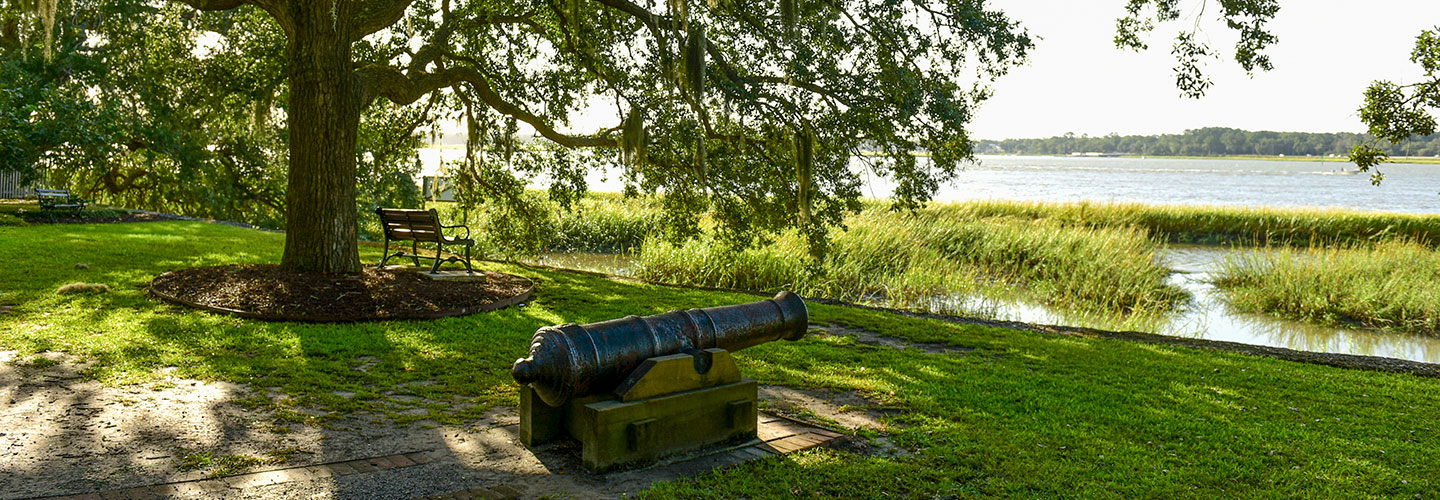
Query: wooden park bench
column 52, row 200
column 402, row 224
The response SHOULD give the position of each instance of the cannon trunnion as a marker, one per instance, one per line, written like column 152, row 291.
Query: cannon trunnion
column 638, row 388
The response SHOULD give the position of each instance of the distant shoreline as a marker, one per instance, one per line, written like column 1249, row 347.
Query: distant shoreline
column 1416, row 160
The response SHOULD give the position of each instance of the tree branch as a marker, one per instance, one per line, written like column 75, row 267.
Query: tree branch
column 390, row 83
column 375, row 15
column 214, row 4
column 656, row 23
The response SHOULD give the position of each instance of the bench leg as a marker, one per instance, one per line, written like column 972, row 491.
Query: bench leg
column 468, row 269
column 385, row 255
column 414, row 253
column 439, row 248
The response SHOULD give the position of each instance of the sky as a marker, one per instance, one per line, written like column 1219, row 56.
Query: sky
column 1077, row 81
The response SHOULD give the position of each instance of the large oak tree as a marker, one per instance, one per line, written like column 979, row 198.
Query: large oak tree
column 750, row 110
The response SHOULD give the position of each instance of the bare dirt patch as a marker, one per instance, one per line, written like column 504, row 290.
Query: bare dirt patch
column 267, row 292
column 868, row 337
column 845, row 409
column 62, row 431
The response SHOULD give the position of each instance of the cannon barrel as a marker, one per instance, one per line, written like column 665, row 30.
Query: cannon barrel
column 577, row 360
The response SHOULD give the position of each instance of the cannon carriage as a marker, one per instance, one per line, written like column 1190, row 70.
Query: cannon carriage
column 638, row 388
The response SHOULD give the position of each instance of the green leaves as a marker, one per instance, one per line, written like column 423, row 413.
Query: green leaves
column 1246, row 17
column 1188, row 77
column 1393, row 114
column 1396, row 112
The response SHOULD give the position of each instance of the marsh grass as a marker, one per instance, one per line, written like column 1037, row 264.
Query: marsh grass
column 910, row 258
column 1293, row 227
column 1387, row 285
column 598, row 223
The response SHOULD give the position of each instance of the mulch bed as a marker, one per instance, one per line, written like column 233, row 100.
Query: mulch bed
column 266, row 292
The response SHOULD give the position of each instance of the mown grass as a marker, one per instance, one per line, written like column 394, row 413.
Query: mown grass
column 1390, row 285
column 1022, row 415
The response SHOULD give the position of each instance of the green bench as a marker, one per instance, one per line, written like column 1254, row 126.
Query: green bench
column 53, row 200
column 402, row 224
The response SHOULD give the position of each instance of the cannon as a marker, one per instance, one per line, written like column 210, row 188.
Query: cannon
column 578, row 360
column 637, row 388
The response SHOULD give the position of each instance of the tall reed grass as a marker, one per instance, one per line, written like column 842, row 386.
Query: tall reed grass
column 1297, row 227
column 911, row 258
column 600, row 223
column 1389, row 285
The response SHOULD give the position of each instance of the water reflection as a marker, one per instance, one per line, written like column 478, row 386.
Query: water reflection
column 1209, row 317
column 1206, row 316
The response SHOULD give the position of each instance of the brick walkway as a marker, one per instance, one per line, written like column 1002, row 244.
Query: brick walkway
column 777, row 436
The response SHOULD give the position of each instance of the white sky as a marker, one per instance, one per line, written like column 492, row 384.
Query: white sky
column 1077, row 81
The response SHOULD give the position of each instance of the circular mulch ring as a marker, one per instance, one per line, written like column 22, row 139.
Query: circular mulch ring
column 266, row 292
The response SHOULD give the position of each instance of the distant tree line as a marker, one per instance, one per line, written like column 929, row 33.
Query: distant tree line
column 1209, row 141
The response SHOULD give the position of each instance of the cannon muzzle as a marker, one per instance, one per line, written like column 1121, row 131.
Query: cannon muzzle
column 573, row 360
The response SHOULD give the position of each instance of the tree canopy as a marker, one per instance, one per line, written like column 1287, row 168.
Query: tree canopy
column 154, row 106
column 747, row 111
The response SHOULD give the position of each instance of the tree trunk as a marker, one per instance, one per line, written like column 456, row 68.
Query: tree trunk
column 324, row 114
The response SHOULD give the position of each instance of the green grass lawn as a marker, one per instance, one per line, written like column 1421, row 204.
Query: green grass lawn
column 1022, row 415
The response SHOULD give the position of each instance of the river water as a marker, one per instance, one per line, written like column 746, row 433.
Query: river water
column 1408, row 188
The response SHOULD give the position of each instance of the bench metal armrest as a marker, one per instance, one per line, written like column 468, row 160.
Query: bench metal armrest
column 467, row 229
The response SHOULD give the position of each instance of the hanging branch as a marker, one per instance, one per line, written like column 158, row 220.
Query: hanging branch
column 789, row 17
column 804, row 166
column 634, row 139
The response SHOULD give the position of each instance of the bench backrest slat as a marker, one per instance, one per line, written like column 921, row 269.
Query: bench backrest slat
column 65, row 193
column 409, row 224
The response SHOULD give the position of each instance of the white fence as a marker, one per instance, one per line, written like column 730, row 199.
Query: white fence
column 11, row 186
